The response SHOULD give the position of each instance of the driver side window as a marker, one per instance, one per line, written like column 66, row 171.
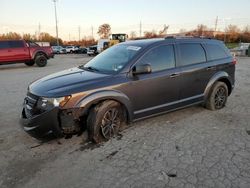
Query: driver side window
column 160, row 58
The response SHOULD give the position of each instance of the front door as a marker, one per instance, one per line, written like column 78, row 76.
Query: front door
column 155, row 92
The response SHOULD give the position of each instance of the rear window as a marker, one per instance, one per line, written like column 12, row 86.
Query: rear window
column 215, row 52
column 4, row 44
column 16, row 44
column 192, row 54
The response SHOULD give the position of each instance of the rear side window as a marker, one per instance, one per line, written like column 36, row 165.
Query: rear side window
column 192, row 54
column 160, row 58
column 4, row 44
column 215, row 52
column 16, row 44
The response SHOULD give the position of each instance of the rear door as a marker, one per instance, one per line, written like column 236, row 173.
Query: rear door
column 4, row 51
column 218, row 60
column 192, row 61
column 156, row 91
column 18, row 51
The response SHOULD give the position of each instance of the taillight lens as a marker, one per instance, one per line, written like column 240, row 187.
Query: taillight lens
column 234, row 61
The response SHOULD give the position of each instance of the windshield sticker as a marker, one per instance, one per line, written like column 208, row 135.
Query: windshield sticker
column 135, row 48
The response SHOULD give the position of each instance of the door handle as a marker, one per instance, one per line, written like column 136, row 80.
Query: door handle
column 174, row 75
column 211, row 68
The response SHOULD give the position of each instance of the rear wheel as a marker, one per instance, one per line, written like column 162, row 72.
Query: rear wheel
column 29, row 63
column 104, row 121
column 218, row 96
column 41, row 60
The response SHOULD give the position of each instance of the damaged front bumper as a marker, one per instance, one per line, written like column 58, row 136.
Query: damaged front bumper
column 42, row 125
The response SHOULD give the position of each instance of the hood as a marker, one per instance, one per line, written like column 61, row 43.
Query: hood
column 67, row 82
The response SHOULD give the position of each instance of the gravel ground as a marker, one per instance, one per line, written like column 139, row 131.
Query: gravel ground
column 193, row 147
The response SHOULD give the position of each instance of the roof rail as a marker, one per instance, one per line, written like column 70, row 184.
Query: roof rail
column 187, row 37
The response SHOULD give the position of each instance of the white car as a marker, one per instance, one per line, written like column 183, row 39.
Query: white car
column 71, row 49
column 58, row 50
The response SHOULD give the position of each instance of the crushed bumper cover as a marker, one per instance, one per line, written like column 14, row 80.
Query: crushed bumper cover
column 42, row 125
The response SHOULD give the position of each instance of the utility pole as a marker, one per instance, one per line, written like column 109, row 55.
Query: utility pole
column 79, row 33
column 92, row 31
column 140, row 28
column 216, row 24
column 39, row 31
column 57, row 41
column 69, row 36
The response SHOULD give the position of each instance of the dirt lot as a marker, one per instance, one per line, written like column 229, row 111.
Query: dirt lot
column 193, row 147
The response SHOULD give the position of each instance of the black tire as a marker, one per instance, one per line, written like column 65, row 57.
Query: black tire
column 29, row 63
column 217, row 97
column 101, row 124
column 41, row 60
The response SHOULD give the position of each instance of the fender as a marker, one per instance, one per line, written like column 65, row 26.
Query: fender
column 216, row 77
column 38, row 51
column 93, row 98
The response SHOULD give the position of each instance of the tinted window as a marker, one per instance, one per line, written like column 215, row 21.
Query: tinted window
column 4, row 44
column 215, row 52
column 16, row 44
column 160, row 58
column 191, row 54
column 32, row 44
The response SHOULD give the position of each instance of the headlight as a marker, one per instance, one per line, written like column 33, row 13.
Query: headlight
column 61, row 101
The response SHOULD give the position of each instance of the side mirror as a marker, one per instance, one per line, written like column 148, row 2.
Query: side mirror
column 142, row 69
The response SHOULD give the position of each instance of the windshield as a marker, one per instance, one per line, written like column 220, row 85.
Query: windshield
column 113, row 59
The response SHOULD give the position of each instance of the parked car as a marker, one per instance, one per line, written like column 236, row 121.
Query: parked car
column 58, row 50
column 92, row 50
column 20, row 51
column 81, row 50
column 128, row 82
column 71, row 49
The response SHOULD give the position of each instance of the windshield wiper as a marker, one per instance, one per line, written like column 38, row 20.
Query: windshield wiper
column 93, row 69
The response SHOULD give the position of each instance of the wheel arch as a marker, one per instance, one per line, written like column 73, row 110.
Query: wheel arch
column 220, row 76
column 86, row 103
column 39, row 53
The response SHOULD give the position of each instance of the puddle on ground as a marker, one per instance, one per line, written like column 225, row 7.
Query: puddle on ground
column 177, row 148
column 171, row 175
column 248, row 132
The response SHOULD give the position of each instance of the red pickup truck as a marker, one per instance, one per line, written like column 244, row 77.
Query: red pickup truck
column 14, row 51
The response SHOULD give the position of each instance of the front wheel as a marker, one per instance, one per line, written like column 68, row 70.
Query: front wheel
column 41, row 60
column 104, row 121
column 218, row 96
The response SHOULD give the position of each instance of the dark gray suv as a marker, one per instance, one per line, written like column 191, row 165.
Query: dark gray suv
column 127, row 82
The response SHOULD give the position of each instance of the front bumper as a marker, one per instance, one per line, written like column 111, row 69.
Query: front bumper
column 42, row 125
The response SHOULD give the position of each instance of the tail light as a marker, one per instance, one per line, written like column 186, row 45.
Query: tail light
column 234, row 61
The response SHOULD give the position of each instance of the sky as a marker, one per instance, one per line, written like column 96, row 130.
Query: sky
column 25, row 16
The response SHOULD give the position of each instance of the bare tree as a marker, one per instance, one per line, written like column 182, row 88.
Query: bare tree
column 133, row 34
column 201, row 29
column 150, row 34
column 104, row 30
column 233, row 33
